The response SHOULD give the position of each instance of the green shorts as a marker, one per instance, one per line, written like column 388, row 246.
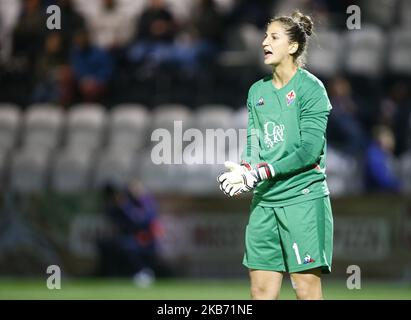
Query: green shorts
column 290, row 239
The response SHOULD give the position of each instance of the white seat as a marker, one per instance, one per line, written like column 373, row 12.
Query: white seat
column 115, row 168
column 43, row 126
column 169, row 120
column 160, row 178
column 214, row 117
column 219, row 121
column 240, row 118
column 324, row 53
column 201, row 179
column 72, row 171
column 165, row 115
column 85, row 127
column 129, row 124
column 29, row 169
column 380, row 12
column 342, row 173
column 405, row 13
column 399, row 55
column 3, row 168
column 10, row 119
column 405, row 170
column 365, row 51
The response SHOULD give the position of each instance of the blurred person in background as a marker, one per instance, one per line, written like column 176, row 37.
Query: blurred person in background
column 30, row 30
column 92, row 68
column 345, row 128
column 380, row 173
column 53, row 73
column 137, row 234
column 71, row 21
column 395, row 112
column 290, row 226
column 318, row 9
column 208, row 23
column 254, row 12
column 111, row 27
column 200, row 41
column 155, row 35
column 28, row 36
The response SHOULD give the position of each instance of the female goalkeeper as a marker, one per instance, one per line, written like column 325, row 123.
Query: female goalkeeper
column 290, row 226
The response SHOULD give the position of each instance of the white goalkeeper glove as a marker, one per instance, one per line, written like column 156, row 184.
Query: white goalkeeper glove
column 243, row 178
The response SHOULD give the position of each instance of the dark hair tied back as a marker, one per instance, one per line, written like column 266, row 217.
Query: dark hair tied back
column 299, row 28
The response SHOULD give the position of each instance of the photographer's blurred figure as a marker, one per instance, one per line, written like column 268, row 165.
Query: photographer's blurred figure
column 133, row 248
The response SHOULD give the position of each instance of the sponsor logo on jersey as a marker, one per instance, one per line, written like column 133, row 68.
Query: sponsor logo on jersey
column 273, row 133
column 260, row 102
column 308, row 259
column 290, row 97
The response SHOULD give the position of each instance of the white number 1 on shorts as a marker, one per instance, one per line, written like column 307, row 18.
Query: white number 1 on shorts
column 297, row 254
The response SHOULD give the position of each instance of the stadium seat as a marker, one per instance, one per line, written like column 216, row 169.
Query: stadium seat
column 399, row 55
column 10, row 119
column 164, row 116
column 380, row 12
column 72, row 171
column 201, row 179
column 3, row 168
column 405, row 13
column 324, row 53
column 213, row 117
column 114, row 167
column 343, row 172
column 29, row 170
column 240, row 118
column 220, row 119
column 129, row 124
column 160, row 178
column 365, row 51
column 405, row 170
column 239, row 122
column 43, row 126
column 252, row 38
column 85, row 127
column 244, row 48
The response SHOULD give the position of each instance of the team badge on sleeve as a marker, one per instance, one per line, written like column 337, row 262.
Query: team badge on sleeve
column 260, row 102
column 290, row 97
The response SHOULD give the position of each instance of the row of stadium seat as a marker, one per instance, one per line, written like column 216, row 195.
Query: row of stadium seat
column 75, row 170
column 89, row 126
column 369, row 51
column 87, row 147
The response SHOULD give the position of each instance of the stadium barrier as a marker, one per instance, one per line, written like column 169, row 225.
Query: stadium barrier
column 203, row 235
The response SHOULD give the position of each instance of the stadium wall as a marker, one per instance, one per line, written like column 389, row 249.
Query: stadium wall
column 203, row 235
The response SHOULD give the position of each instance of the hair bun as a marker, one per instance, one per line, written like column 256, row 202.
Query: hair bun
column 305, row 21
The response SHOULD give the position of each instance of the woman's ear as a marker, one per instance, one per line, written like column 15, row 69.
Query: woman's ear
column 292, row 48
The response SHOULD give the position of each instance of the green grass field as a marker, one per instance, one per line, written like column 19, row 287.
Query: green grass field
column 12, row 288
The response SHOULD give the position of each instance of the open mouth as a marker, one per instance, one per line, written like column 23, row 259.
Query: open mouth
column 267, row 53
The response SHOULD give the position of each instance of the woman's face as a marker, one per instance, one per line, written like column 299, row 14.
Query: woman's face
column 276, row 44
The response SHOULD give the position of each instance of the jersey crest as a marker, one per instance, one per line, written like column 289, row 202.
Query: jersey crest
column 290, row 97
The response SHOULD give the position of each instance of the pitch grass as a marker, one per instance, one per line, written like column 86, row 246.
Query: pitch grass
column 174, row 289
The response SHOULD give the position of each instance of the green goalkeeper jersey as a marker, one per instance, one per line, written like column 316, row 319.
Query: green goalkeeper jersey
column 287, row 129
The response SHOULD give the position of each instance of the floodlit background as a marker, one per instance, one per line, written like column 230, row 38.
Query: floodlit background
column 78, row 106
